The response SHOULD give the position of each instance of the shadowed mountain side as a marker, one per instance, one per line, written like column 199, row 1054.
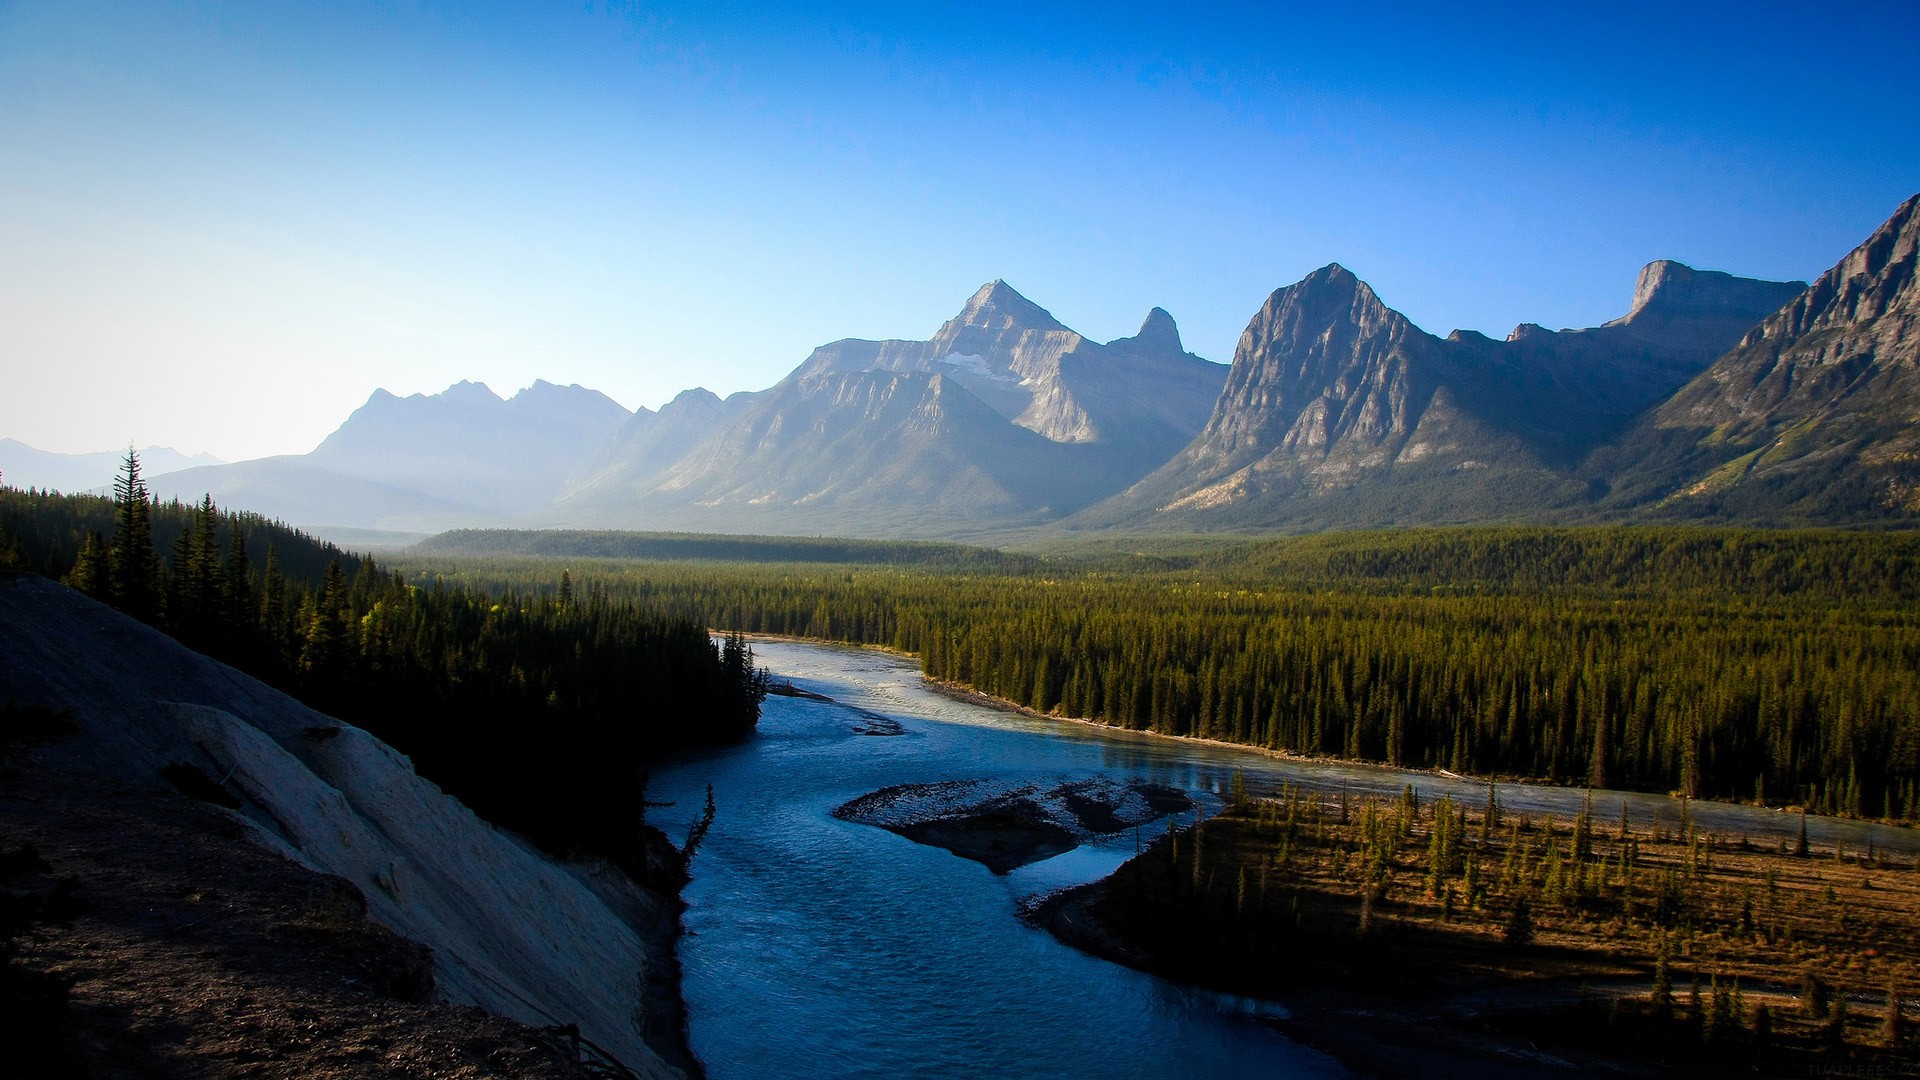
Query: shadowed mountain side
column 868, row 453
column 1814, row 417
column 1339, row 412
column 1569, row 391
column 294, row 489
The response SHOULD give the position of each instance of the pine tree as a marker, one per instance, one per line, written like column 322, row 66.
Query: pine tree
column 238, row 618
column 1518, row 931
column 134, row 568
column 91, row 573
column 1662, row 981
column 325, row 654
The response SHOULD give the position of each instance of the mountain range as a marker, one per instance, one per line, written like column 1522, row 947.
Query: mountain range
column 22, row 466
column 1714, row 398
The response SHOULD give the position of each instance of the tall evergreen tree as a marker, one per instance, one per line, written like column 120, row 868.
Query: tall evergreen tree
column 134, row 577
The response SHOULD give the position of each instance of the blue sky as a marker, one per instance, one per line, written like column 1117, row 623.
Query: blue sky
column 221, row 226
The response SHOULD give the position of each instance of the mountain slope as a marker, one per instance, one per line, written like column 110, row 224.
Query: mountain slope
column 1340, row 412
column 647, row 445
column 1814, row 416
column 1003, row 417
column 860, row 453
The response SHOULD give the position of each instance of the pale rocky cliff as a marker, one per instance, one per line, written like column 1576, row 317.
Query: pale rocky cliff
column 512, row 930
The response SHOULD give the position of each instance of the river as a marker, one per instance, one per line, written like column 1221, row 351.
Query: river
column 823, row 948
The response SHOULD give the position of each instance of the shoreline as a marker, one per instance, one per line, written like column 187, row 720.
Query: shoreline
column 970, row 696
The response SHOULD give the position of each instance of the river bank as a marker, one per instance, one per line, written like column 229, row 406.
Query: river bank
column 1400, row 943
column 1362, row 777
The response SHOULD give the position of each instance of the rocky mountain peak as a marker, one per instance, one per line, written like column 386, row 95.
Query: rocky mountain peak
column 997, row 306
column 1159, row 336
column 1330, row 296
column 469, row 392
column 1159, row 332
column 1875, row 279
column 1670, row 289
column 697, row 398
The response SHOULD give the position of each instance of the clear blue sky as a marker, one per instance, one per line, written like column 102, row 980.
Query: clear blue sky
column 222, row 225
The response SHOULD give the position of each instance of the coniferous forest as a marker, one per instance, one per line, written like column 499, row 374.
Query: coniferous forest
column 1776, row 667
column 541, row 712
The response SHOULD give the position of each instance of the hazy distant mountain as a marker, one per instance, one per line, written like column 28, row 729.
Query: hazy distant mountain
column 465, row 445
column 1339, row 411
column 22, row 466
column 1814, row 417
column 293, row 489
column 1003, row 417
column 462, row 457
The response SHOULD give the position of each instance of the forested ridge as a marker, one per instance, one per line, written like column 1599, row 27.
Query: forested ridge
column 1658, row 661
column 539, row 711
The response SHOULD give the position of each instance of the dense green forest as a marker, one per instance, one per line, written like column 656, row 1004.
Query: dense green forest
column 1770, row 666
column 539, row 711
column 667, row 546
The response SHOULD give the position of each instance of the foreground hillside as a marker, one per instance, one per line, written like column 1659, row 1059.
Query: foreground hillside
column 168, row 944
column 511, row 930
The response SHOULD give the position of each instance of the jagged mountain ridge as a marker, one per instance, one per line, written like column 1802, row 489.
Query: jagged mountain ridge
column 1019, row 360
column 1813, row 417
column 1339, row 411
column 466, row 445
column 23, row 466
column 865, row 451
column 461, row 458
column 1003, row 417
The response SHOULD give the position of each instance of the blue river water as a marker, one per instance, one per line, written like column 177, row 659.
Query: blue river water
column 823, row 948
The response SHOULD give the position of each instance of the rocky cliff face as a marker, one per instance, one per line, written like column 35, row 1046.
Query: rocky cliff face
column 1814, row 416
column 1339, row 411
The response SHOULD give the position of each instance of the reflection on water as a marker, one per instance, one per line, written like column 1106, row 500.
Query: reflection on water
column 825, row 948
